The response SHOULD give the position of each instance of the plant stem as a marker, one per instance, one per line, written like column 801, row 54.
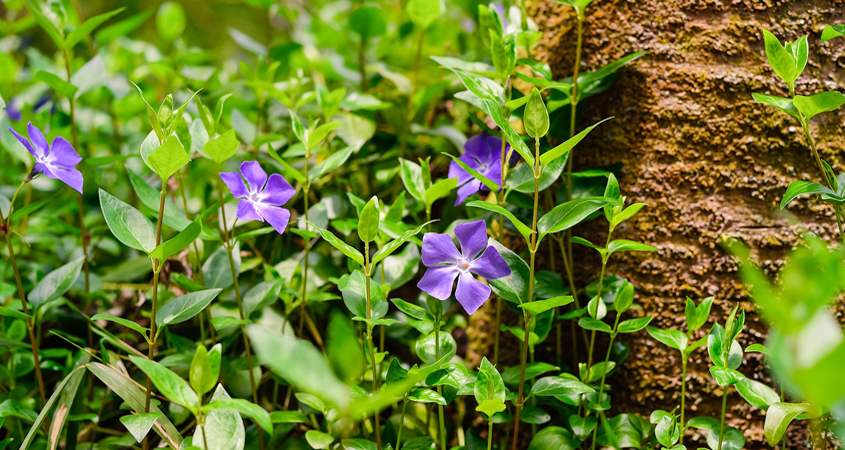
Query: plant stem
column 362, row 65
column 604, row 372
column 227, row 242
column 367, row 271
column 683, row 395
column 7, row 232
column 722, row 421
column 401, row 423
column 532, row 248
column 306, row 188
column 156, row 271
column 805, row 124
column 490, row 434
column 442, row 429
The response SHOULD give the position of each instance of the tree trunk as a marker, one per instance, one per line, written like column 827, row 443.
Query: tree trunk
column 709, row 162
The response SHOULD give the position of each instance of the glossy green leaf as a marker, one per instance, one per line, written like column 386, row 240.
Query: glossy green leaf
column 139, row 424
column 523, row 229
column 554, row 386
column 222, row 147
column 127, row 224
column 168, row 158
column 540, row 306
column 56, row 283
column 783, row 104
column 179, row 242
column 167, row 382
column 245, row 407
column 756, row 393
column 345, row 248
column 536, row 118
column 818, row 103
column 185, row 307
column 673, row 338
column 778, row 418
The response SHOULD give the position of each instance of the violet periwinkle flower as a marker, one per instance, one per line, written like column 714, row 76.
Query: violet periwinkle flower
column 57, row 161
column 445, row 263
column 261, row 197
column 484, row 154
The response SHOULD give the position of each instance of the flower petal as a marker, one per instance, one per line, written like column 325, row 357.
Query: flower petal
column 473, row 238
column 490, row 265
column 70, row 177
column 247, row 211
column 477, row 147
column 235, row 183
column 278, row 191
column 63, row 154
column 439, row 249
column 437, row 281
column 255, row 176
column 494, row 172
column 38, row 141
column 276, row 216
column 471, row 293
column 466, row 190
column 25, row 143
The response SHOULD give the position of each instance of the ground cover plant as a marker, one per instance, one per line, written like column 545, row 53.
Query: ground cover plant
column 281, row 245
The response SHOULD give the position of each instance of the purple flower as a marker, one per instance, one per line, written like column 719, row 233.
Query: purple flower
column 445, row 263
column 263, row 199
column 56, row 161
column 484, row 154
column 13, row 109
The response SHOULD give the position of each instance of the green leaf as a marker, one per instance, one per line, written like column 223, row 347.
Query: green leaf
column 368, row 221
column 571, row 213
column 168, row 158
column 200, row 374
column 673, row 338
column 168, row 383
column 532, row 369
column 288, row 417
column 540, row 306
column 151, row 115
column 697, row 315
column 387, row 249
column 624, row 245
column 783, row 104
column 121, row 321
column 624, row 297
column 354, row 291
column 778, row 418
column 832, row 31
column 316, row 137
column 261, row 295
column 667, row 431
column 782, row 61
column 438, row 190
column 245, row 407
column 564, row 148
column 139, row 424
column 411, row 174
column 818, row 103
column 725, row 376
column 427, row 351
column 127, row 224
column 490, row 184
column 57, row 83
column 318, row 440
column 591, row 324
column 222, row 147
column 483, row 88
column 495, row 112
column 179, row 242
column 634, row 325
column 555, row 386
column 554, row 438
column 424, row 12
column 299, row 363
column 223, row 428
column 88, row 27
column 217, row 271
column 756, row 393
column 56, row 283
column 174, row 216
column 536, row 118
column 513, row 288
column 797, row 188
column 333, row 161
column 345, row 248
column 135, row 397
column 523, row 229
column 491, row 406
column 368, row 22
column 411, row 310
column 122, row 28
column 185, row 307
column 343, row 350
column 421, row 395
column 170, row 20
column 46, row 24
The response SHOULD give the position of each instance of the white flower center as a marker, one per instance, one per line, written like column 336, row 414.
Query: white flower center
column 463, row 265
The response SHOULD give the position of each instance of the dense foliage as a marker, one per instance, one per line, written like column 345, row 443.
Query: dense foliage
column 278, row 249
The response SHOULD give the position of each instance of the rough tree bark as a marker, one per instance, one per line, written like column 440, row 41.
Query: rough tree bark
column 708, row 161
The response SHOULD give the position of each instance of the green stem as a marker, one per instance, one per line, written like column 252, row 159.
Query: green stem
column 442, row 422
column 722, row 421
column 604, row 373
column 306, row 188
column 6, row 230
column 490, row 434
column 533, row 251
column 683, row 395
column 367, row 273
column 401, row 424
column 229, row 244
column 805, row 125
